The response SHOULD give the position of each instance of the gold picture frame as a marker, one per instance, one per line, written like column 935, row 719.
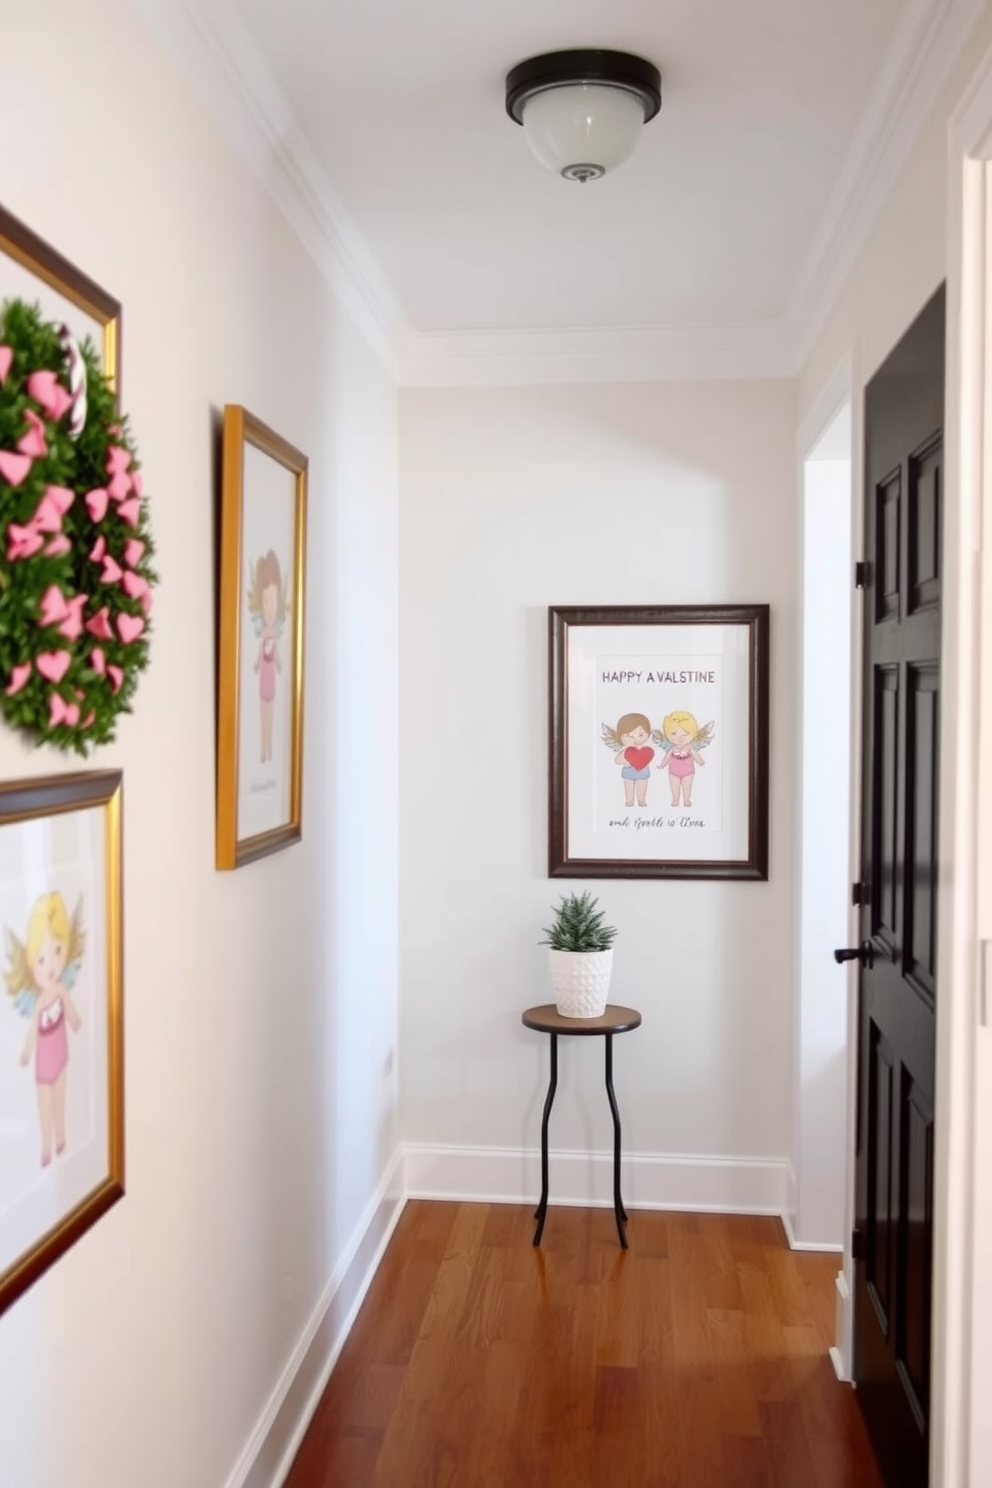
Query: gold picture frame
column 61, row 1018
column 262, row 598
column 34, row 271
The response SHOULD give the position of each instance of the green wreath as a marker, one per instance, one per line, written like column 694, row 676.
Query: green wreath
column 75, row 547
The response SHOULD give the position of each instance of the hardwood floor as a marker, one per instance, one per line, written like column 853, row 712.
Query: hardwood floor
column 698, row 1359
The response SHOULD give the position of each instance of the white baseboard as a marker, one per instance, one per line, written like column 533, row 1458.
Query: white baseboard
column 843, row 1352
column 790, row 1215
column 650, row 1180
column 820, row 1246
column 269, row 1451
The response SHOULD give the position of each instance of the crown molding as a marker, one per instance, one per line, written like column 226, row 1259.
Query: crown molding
column 597, row 354
column 215, row 52
column 929, row 40
column 219, row 58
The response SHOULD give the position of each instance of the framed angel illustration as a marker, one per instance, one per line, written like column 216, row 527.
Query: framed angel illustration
column 61, row 1018
column 260, row 721
column 658, row 742
column 40, row 974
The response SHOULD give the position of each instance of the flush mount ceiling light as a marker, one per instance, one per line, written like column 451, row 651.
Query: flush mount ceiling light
column 582, row 111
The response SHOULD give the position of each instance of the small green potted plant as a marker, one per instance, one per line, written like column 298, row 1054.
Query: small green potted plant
column 581, row 956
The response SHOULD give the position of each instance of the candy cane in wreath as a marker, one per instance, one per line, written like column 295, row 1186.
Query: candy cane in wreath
column 77, row 381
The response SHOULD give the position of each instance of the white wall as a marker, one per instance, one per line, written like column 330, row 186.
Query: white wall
column 511, row 500
column 820, row 1130
column 261, row 1005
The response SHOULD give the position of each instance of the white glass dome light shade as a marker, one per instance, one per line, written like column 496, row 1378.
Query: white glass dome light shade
column 583, row 110
column 583, row 130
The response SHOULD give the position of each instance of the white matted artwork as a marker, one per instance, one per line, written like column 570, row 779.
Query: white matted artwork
column 659, row 742
column 61, row 1018
column 260, row 728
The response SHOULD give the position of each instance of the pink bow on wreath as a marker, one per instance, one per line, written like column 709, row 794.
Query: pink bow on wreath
column 24, row 542
column 59, row 711
column 67, row 614
column 48, row 392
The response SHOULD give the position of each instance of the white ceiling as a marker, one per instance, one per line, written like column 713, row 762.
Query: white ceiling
column 711, row 223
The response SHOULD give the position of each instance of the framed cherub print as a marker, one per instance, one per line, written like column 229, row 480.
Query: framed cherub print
column 658, row 742
column 61, row 1017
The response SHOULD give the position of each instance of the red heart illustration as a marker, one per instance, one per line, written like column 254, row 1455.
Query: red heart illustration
column 639, row 758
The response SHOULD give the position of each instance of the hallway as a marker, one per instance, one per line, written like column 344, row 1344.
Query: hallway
column 697, row 1360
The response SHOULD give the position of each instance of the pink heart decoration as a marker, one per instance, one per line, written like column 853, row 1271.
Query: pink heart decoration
column 111, row 570
column 59, row 711
column 146, row 602
column 57, row 546
column 137, row 482
column 96, row 503
column 129, row 627
column 33, row 445
column 134, row 585
column 116, row 678
column 119, row 485
column 72, row 625
column 41, row 387
column 6, row 357
column 118, row 460
column 98, row 549
column 18, row 679
column 22, row 542
column 61, row 498
column 88, row 719
column 47, row 517
column 99, row 625
column 33, row 442
column 14, row 467
column 61, row 402
column 128, row 511
column 46, row 390
column 53, row 665
column 53, row 606
column 98, row 660
column 133, row 551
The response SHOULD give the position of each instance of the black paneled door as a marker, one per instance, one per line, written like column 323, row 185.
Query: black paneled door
column 904, row 415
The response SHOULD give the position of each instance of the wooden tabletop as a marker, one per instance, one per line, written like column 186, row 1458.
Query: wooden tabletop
column 547, row 1019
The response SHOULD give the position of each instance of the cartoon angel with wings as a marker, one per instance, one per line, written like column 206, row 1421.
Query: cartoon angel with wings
column 680, row 739
column 631, row 750
column 40, row 976
column 268, row 605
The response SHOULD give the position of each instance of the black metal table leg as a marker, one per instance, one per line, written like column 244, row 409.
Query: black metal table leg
column 618, row 1208
column 541, row 1212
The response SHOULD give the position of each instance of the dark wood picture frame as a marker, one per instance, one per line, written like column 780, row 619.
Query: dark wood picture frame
column 564, row 622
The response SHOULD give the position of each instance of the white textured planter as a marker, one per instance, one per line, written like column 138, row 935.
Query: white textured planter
column 580, row 981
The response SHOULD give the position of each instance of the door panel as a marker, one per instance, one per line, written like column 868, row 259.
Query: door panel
column 884, row 845
column 897, row 987
column 921, row 827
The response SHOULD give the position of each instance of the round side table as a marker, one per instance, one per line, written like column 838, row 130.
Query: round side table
column 547, row 1019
